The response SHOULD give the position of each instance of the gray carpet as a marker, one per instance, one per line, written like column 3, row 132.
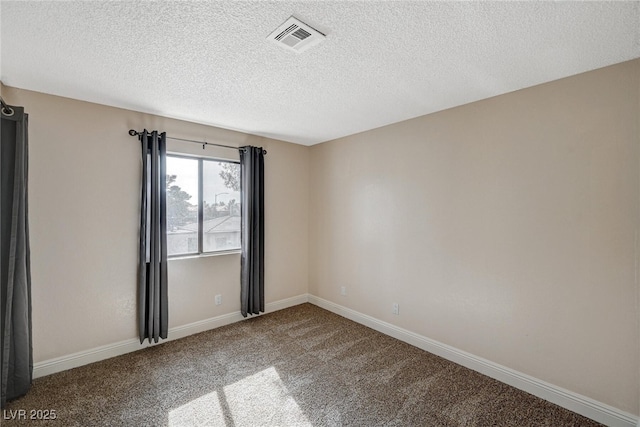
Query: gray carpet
column 302, row 366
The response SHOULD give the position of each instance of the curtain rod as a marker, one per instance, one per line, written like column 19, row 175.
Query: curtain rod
column 133, row 132
column 8, row 111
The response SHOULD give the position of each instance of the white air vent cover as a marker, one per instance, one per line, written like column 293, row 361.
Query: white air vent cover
column 296, row 35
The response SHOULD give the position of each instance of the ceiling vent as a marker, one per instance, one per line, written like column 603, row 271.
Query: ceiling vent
column 296, row 36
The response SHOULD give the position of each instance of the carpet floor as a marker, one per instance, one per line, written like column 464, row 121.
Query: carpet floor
column 302, row 366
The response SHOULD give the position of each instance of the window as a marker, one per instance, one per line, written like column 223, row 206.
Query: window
column 203, row 205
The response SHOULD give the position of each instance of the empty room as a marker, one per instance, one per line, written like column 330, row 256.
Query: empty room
column 320, row 213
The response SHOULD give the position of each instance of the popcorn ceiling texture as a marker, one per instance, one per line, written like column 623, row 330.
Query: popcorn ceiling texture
column 301, row 366
column 382, row 62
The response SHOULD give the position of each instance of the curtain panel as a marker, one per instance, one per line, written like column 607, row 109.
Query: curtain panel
column 152, row 274
column 252, row 230
column 15, row 272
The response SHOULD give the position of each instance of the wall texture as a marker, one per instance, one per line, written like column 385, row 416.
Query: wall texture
column 507, row 228
column 84, row 189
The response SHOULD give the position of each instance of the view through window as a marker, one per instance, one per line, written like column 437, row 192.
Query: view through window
column 203, row 205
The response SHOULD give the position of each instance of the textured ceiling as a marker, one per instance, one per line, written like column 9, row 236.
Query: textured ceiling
column 382, row 62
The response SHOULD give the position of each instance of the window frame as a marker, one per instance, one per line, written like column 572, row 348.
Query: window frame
column 200, row 216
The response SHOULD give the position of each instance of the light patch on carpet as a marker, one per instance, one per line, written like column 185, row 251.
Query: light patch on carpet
column 263, row 399
column 260, row 399
column 205, row 410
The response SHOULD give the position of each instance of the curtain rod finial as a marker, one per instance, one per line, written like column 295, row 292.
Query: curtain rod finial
column 132, row 132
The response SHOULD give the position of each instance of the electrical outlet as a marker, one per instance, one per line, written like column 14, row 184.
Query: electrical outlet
column 343, row 290
column 396, row 308
column 218, row 299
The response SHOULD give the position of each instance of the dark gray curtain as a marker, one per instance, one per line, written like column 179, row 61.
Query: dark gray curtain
column 252, row 230
column 152, row 275
column 15, row 271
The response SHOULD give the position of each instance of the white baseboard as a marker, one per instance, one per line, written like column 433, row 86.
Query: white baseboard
column 582, row 405
column 81, row 358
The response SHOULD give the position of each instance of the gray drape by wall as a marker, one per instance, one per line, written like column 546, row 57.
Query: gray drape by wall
column 252, row 230
column 15, row 274
column 152, row 275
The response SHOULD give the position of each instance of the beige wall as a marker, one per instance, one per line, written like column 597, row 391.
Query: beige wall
column 84, row 188
column 507, row 228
